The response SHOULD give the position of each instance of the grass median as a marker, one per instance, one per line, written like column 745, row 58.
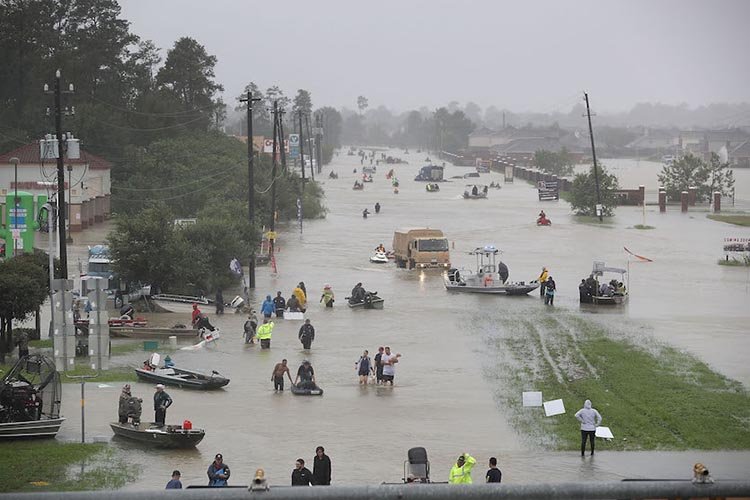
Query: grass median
column 652, row 396
column 49, row 465
column 737, row 220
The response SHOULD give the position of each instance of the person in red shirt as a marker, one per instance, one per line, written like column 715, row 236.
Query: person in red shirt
column 196, row 315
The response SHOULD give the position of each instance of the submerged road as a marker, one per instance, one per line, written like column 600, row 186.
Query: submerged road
column 442, row 399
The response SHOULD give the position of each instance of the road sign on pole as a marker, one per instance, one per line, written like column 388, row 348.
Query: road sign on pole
column 294, row 146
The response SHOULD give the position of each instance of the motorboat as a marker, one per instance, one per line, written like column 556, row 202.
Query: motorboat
column 488, row 278
column 306, row 391
column 366, row 178
column 475, row 192
column 179, row 303
column 371, row 301
column 603, row 292
column 379, row 258
column 180, row 377
column 30, row 399
column 169, row 436
column 432, row 188
column 358, row 187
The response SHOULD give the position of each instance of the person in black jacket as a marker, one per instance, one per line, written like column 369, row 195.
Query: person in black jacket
column 306, row 334
column 301, row 475
column 321, row 467
column 279, row 304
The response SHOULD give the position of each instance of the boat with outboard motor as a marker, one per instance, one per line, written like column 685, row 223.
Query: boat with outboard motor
column 168, row 436
column 475, row 192
column 179, row 377
column 488, row 278
column 30, row 399
column 369, row 301
column 379, row 258
column 432, row 188
column 611, row 293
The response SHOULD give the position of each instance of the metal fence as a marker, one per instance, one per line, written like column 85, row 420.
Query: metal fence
column 561, row 491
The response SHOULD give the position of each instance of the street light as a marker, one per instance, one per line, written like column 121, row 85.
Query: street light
column 15, row 161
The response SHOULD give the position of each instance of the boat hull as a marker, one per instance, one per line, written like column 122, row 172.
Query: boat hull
column 44, row 428
column 178, row 303
column 198, row 380
column 306, row 392
column 375, row 304
column 166, row 437
column 510, row 289
column 146, row 332
column 615, row 300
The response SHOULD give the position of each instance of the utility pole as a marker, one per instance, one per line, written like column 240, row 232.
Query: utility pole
column 319, row 141
column 312, row 148
column 273, row 175
column 599, row 208
column 61, row 209
column 250, row 183
column 282, row 145
column 301, row 149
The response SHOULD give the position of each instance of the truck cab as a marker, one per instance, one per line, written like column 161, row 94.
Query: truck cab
column 421, row 249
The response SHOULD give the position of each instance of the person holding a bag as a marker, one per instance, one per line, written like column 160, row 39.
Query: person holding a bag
column 218, row 472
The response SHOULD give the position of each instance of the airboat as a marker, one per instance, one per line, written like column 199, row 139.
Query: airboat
column 30, row 397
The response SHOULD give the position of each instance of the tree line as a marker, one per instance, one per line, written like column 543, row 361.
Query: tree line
column 160, row 122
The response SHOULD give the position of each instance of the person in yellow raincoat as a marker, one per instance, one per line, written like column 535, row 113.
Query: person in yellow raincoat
column 264, row 332
column 301, row 298
column 543, row 281
column 461, row 472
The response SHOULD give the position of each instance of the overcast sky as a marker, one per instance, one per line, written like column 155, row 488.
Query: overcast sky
column 526, row 55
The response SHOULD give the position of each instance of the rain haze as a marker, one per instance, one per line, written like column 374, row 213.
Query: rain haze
column 523, row 56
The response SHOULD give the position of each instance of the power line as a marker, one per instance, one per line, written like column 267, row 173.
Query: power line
column 147, row 200
column 172, row 114
column 155, row 129
column 166, row 188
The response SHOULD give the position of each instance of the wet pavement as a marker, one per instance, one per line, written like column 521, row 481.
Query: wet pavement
column 441, row 400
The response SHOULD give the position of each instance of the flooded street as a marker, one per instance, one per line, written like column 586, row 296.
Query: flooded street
column 442, row 399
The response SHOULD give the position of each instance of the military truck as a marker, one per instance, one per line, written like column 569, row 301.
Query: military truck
column 421, row 248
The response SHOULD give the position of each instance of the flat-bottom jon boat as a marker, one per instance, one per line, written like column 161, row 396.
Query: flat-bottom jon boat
column 42, row 428
column 169, row 436
column 180, row 377
column 302, row 391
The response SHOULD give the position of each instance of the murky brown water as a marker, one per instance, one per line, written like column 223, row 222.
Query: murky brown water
column 441, row 400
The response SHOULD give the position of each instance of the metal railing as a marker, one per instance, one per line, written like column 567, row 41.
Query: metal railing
column 560, row 491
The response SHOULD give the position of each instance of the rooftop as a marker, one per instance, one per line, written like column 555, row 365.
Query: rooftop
column 29, row 154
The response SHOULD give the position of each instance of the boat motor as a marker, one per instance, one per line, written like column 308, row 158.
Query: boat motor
column 259, row 481
column 417, row 467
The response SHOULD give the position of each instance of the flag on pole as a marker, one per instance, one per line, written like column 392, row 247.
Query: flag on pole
column 639, row 257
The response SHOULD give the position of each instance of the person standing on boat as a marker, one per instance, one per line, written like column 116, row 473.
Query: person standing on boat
column 218, row 472
column 124, row 406
column 195, row 316
column 549, row 294
column 277, row 377
column 250, row 326
column 590, row 420
column 279, row 304
column 542, row 279
column 321, row 468
column 306, row 334
column 327, row 297
column 267, row 308
column 162, row 401
column 264, row 332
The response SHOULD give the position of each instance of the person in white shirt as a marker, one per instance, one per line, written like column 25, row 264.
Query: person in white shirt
column 389, row 361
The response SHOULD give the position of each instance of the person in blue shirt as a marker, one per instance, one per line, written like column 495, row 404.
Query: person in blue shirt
column 175, row 483
column 268, row 307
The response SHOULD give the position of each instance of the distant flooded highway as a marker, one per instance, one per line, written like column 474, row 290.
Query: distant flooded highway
column 442, row 399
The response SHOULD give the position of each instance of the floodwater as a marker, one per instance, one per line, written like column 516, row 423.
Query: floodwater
column 442, row 399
